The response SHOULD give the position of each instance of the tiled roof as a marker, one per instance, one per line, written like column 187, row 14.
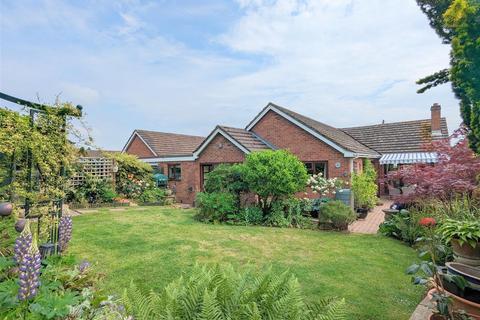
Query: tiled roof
column 170, row 144
column 333, row 134
column 246, row 138
column 406, row 136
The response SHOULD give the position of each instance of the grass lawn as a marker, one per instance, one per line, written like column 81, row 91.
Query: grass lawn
column 154, row 245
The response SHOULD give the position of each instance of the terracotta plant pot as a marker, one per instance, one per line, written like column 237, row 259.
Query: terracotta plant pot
column 436, row 316
column 471, row 308
column 6, row 209
column 466, row 254
column 459, row 304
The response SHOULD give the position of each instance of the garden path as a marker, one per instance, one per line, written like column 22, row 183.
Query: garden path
column 374, row 218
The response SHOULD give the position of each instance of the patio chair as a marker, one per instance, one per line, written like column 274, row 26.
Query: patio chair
column 393, row 192
column 408, row 190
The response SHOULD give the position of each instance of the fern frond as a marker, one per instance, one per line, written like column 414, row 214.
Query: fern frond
column 210, row 307
column 220, row 293
column 328, row 309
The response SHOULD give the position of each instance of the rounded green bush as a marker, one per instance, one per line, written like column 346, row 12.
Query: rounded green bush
column 337, row 213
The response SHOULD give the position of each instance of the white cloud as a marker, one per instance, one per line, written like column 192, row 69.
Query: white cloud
column 343, row 62
column 80, row 94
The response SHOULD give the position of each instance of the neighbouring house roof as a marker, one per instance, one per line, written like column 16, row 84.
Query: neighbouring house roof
column 333, row 136
column 164, row 144
column 405, row 136
column 244, row 140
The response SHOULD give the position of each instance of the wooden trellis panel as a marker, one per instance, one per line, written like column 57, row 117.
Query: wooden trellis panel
column 98, row 167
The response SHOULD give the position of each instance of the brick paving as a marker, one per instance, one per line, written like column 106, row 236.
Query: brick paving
column 374, row 218
column 423, row 310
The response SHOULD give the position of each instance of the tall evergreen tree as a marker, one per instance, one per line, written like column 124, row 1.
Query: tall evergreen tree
column 457, row 22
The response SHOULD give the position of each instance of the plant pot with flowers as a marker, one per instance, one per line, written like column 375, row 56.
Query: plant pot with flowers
column 326, row 188
column 428, row 273
column 464, row 237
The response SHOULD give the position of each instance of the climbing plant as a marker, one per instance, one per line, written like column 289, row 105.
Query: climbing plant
column 42, row 139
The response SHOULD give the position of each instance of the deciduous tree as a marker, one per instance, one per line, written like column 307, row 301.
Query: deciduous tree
column 456, row 172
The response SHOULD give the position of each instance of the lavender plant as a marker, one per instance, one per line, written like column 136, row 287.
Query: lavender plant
column 29, row 273
column 64, row 232
column 23, row 243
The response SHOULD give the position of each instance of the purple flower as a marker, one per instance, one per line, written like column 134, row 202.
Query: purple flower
column 84, row 265
column 22, row 243
column 64, row 232
column 29, row 273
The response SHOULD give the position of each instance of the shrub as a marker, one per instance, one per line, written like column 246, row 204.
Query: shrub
column 153, row 195
column 338, row 214
column 92, row 190
column 248, row 216
column 364, row 187
column 133, row 176
column 215, row 206
column 463, row 207
column 226, row 178
column 223, row 293
column 403, row 226
column 277, row 216
column 274, row 175
column 291, row 212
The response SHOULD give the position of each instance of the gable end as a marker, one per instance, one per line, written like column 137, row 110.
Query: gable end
column 273, row 108
column 137, row 140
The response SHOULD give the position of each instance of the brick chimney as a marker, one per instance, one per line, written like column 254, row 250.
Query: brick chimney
column 436, row 115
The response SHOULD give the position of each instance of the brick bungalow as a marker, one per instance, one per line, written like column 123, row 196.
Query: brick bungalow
column 335, row 152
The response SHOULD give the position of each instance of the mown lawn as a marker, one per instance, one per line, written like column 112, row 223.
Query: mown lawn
column 154, row 245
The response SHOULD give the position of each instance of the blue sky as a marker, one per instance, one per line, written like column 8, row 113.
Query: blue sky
column 185, row 66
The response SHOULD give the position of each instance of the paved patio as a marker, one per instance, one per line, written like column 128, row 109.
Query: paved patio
column 370, row 224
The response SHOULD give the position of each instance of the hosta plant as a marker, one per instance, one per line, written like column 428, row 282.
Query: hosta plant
column 464, row 231
column 223, row 293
